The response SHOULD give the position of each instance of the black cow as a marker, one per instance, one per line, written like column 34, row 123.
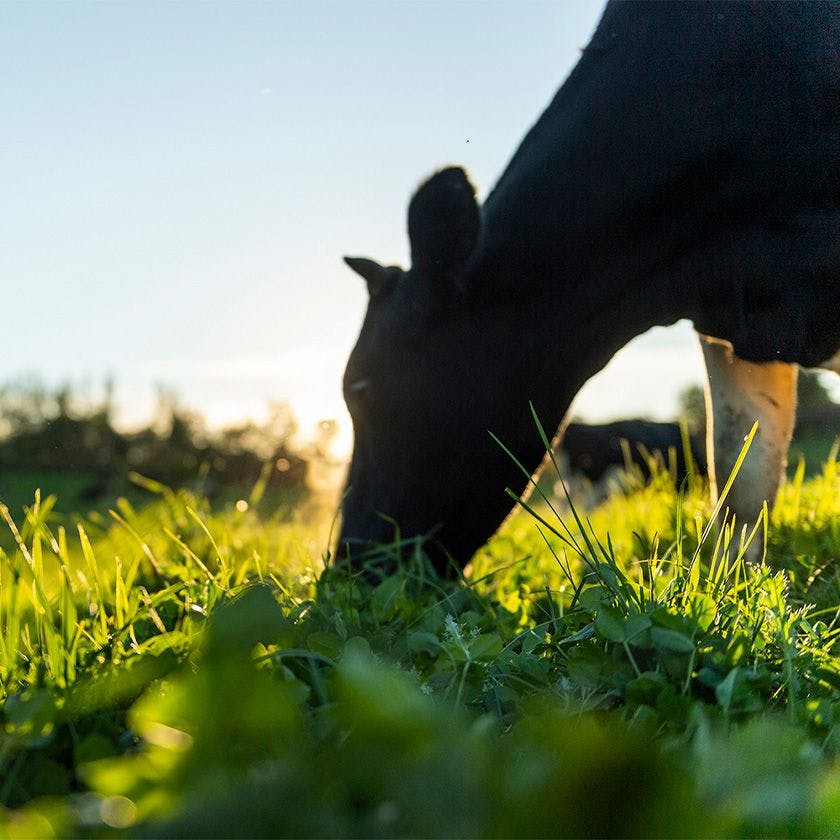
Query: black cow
column 687, row 168
column 593, row 449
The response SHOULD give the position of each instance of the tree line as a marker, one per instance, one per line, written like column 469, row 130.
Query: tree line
column 59, row 431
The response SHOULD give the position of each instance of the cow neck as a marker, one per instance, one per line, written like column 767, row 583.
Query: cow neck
column 554, row 332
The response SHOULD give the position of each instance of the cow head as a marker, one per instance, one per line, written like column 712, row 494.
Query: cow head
column 423, row 389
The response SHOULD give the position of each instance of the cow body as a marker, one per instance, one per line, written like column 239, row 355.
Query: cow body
column 687, row 168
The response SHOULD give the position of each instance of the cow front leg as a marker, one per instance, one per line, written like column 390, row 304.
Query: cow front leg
column 738, row 394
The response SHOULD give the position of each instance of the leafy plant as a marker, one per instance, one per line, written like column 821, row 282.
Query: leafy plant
column 179, row 671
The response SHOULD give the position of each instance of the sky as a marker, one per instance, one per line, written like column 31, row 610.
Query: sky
column 179, row 182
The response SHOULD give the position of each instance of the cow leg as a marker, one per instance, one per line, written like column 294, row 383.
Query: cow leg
column 738, row 394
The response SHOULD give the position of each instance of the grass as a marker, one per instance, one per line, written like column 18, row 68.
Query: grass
column 178, row 670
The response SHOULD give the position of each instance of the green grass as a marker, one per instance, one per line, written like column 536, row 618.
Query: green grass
column 813, row 448
column 81, row 495
column 177, row 670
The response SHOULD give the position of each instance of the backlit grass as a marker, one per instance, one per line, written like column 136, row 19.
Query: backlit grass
column 176, row 670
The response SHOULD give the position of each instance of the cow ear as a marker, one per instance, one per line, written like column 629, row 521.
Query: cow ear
column 443, row 225
column 377, row 277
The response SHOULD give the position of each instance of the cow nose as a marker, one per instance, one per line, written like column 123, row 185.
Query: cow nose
column 351, row 550
column 364, row 559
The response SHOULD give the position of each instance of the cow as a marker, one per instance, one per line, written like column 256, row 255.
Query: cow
column 596, row 449
column 687, row 168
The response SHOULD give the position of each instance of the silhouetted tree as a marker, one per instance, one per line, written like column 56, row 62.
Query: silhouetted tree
column 54, row 431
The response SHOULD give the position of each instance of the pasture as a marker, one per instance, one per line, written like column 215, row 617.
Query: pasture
column 175, row 669
column 181, row 654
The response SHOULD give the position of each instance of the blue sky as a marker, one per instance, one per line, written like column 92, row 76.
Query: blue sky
column 180, row 180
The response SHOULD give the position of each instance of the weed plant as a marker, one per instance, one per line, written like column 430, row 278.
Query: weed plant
column 182, row 671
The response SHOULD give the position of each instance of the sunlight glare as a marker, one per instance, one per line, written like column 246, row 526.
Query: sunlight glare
column 321, row 402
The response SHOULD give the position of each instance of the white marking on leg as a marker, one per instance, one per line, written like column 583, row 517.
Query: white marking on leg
column 738, row 394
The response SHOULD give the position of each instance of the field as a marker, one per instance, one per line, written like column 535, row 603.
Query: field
column 171, row 669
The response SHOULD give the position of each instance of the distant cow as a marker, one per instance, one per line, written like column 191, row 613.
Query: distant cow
column 687, row 168
column 594, row 448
